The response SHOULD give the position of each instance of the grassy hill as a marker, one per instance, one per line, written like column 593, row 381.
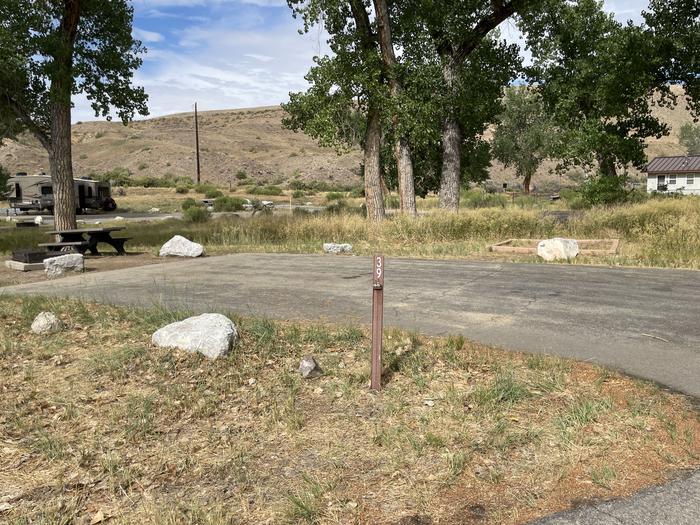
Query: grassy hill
column 251, row 140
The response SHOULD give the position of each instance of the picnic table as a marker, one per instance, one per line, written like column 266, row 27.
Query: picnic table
column 87, row 239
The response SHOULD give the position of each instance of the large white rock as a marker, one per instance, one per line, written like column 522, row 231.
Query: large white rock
column 46, row 323
column 557, row 249
column 57, row 266
column 38, row 220
column 332, row 247
column 212, row 335
column 178, row 246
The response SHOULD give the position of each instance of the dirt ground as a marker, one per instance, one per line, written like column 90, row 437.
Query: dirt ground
column 100, row 263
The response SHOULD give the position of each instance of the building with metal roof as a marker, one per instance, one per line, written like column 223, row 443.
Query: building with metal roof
column 674, row 174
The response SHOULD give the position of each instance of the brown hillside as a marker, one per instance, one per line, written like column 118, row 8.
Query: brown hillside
column 252, row 140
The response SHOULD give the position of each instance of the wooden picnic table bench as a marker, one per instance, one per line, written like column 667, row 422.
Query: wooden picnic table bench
column 76, row 239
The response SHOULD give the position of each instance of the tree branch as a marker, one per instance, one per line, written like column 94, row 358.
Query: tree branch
column 501, row 11
column 26, row 119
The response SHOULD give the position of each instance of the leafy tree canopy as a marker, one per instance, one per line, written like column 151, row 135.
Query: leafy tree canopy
column 600, row 78
column 689, row 138
column 33, row 50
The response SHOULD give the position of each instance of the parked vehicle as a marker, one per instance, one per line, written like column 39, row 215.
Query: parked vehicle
column 35, row 192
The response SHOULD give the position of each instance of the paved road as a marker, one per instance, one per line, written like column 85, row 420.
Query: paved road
column 643, row 321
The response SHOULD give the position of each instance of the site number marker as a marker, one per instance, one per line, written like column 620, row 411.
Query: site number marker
column 377, row 321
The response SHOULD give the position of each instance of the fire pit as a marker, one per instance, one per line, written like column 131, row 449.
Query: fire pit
column 32, row 255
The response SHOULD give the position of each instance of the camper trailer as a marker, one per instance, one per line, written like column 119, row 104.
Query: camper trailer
column 35, row 193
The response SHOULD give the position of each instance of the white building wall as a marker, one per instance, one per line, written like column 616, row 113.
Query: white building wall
column 680, row 184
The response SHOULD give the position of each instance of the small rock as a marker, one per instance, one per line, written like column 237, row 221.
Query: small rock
column 119, row 218
column 212, row 335
column 179, row 246
column 154, row 210
column 46, row 323
column 557, row 249
column 335, row 248
column 57, row 266
column 309, row 368
column 38, row 220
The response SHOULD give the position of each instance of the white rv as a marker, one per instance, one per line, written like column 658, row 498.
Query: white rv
column 35, row 193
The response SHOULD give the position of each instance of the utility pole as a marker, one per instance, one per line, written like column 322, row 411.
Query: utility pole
column 196, row 141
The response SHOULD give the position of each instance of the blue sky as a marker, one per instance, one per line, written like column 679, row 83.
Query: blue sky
column 235, row 53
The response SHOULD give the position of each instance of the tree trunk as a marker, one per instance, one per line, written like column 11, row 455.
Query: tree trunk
column 373, row 178
column 402, row 151
column 451, row 164
column 404, row 165
column 61, row 167
column 606, row 165
column 526, row 183
column 451, row 145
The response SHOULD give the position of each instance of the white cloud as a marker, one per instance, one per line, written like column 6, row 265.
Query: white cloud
column 242, row 62
column 147, row 36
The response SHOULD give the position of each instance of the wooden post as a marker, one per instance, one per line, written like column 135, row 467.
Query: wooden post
column 377, row 321
column 196, row 140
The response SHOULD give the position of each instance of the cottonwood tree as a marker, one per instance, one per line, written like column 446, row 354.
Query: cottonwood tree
column 689, row 138
column 475, row 101
column 55, row 49
column 343, row 105
column 525, row 135
column 600, row 79
column 455, row 28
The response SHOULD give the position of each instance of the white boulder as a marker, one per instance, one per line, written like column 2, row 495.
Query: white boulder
column 179, row 246
column 212, row 335
column 335, row 248
column 154, row 210
column 57, row 266
column 557, row 249
column 38, row 220
column 46, row 323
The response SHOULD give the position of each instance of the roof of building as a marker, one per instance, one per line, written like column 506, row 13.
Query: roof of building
column 687, row 164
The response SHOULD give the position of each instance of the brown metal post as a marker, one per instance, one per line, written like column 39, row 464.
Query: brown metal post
column 377, row 321
column 196, row 140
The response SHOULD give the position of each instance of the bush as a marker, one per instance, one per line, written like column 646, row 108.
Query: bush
column 357, row 192
column 213, row 194
column 228, row 204
column 182, row 190
column 334, row 196
column 265, row 190
column 602, row 190
column 188, row 203
column 241, row 175
column 4, row 177
column 315, row 185
column 298, row 194
column 196, row 214
column 204, row 188
column 480, row 198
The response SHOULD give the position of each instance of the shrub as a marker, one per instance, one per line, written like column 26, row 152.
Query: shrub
column 196, row 214
column 241, row 175
column 188, row 203
column 142, row 166
column 357, row 192
column 4, row 177
column 213, row 194
column 480, row 198
column 265, row 190
column 182, row 189
column 334, row 196
column 297, row 194
column 602, row 190
column 204, row 188
column 228, row 204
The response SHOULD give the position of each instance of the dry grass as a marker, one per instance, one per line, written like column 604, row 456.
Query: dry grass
column 95, row 423
column 660, row 233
